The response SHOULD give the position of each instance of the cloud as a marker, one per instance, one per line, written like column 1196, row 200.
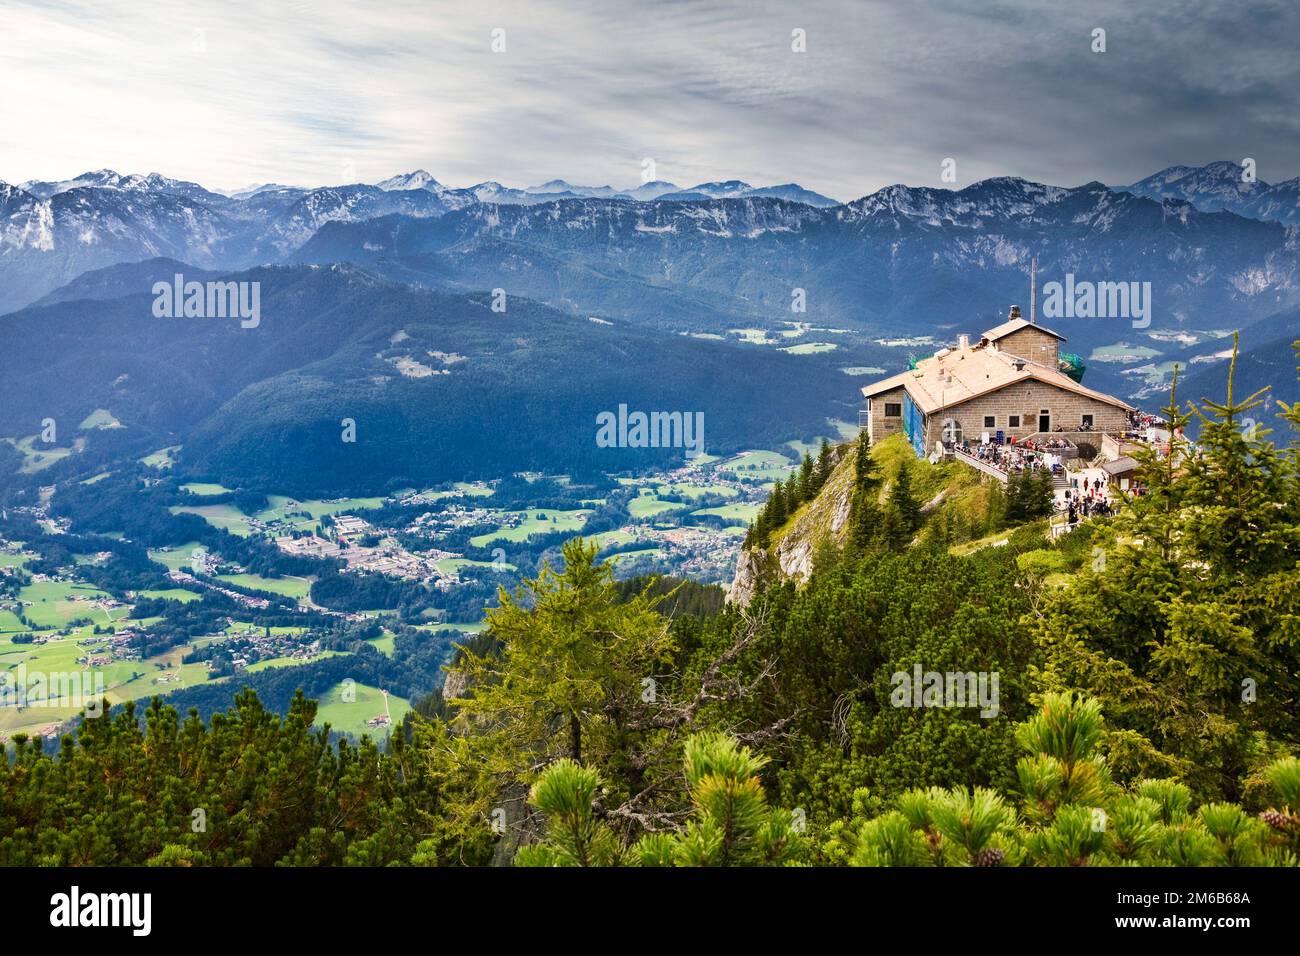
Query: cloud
column 313, row 92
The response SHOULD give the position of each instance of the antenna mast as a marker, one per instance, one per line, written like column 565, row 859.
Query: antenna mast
column 1033, row 291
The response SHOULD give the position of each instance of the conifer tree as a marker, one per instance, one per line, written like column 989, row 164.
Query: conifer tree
column 730, row 823
column 807, row 479
column 568, row 677
column 903, row 516
column 825, row 463
column 1177, row 623
column 864, row 514
column 777, row 505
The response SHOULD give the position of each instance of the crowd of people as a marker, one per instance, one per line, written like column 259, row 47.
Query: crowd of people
column 1009, row 459
column 1138, row 421
column 1049, row 444
column 1087, row 501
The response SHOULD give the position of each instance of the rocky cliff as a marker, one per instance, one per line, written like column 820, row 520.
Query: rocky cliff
column 791, row 549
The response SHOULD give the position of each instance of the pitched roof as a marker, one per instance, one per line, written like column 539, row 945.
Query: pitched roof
column 1015, row 325
column 1120, row 466
column 957, row 376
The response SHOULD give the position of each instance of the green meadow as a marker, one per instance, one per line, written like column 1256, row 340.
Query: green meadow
column 535, row 521
column 162, row 458
column 54, row 603
column 225, row 516
column 763, row 465
column 742, row 511
column 205, row 488
column 178, row 558
column 296, row 588
column 350, row 717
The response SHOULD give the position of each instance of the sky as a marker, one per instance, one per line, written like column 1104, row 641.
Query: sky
column 323, row 92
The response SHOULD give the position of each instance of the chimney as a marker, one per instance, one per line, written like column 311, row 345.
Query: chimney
column 1018, row 364
column 963, row 342
column 1015, row 313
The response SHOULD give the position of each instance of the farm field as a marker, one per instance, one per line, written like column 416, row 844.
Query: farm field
column 205, row 488
column 162, row 458
column 695, row 491
column 762, row 465
column 462, row 489
column 535, row 521
column 296, row 588
column 219, row 516
column 615, row 559
column 350, row 716
column 100, row 418
column 39, row 458
column 452, row 565
column 810, row 348
column 54, row 603
column 273, row 662
column 647, row 505
column 384, row 644
column 743, row 511
column 171, row 594
column 282, row 505
column 1122, row 352
column 177, row 558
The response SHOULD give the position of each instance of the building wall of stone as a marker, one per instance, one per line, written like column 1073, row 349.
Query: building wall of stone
column 1025, row 399
column 1032, row 345
column 878, row 425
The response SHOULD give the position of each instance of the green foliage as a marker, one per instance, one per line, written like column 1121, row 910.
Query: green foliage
column 1070, row 813
column 251, row 788
column 902, row 511
column 1182, row 622
column 730, row 823
column 1029, row 496
column 574, row 836
column 566, row 679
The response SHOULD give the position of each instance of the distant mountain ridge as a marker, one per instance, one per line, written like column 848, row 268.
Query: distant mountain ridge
column 903, row 260
column 52, row 231
column 1222, row 186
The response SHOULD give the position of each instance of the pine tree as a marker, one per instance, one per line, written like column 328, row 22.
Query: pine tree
column 793, row 497
column 807, row 479
column 777, row 515
column 574, row 835
column 864, row 514
column 567, row 679
column 1185, row 616
column 904, row 513
column 825, row 463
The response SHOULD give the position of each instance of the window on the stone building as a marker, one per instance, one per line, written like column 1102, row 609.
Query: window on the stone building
column 1013, row 421
column 893, row 409
column 1087, row 421
column 990, row 421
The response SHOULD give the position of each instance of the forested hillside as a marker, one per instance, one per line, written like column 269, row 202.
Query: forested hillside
column 438, row 386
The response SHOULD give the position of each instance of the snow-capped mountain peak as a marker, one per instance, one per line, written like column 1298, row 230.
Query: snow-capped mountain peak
column 1222, row 185
column 419, row 179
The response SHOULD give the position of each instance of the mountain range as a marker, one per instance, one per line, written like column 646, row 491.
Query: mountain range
column 625, row 292
column 1224, row 186
column 51, row 232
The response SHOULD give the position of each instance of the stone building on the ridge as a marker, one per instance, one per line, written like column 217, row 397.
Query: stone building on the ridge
column 1008, row 385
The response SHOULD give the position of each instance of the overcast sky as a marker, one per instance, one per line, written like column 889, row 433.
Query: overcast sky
column 317, row 92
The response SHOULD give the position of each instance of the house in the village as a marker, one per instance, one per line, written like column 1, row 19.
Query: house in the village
column 1009, row 385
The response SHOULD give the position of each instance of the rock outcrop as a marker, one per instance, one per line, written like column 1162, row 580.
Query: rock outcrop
column 791, row 549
